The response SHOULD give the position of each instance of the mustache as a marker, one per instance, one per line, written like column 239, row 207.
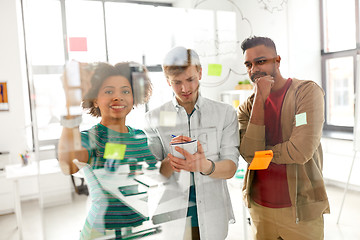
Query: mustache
column 257, row 75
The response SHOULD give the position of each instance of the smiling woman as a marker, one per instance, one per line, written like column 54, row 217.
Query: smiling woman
column 135, row 76
column 113, row 93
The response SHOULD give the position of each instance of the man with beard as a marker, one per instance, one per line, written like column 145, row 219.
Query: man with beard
column 288, row 199
column 202, row 175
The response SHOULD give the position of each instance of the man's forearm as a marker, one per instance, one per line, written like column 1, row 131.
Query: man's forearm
column 224, row 169
column 165, row 168
column 257, row 113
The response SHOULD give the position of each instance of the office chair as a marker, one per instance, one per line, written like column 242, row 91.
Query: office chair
column 82, row 188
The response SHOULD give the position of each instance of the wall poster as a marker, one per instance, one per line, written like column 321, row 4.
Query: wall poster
column 4, row 102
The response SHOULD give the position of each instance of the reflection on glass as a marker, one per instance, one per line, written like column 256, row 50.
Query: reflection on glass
column 89, row 26
column 340, row 92
column 203, row 32
column 130, row 37
column 339, row 19
column 102, row 150
column 45, row 36
column 50, row 102
column 226, row 30
column 161, row 90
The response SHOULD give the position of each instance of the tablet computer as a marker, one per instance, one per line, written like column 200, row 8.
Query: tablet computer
column 130, row 190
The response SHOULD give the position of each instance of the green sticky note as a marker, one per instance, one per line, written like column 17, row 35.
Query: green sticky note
column 114, row 151
column 300, row 119
column 214, row 69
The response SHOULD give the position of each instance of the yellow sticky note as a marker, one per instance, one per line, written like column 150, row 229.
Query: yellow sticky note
column 300, row 119
column 235, row 103
column 261, row 160
column 114, row 151
column 214, row 69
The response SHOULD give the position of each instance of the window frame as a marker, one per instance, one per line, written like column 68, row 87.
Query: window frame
column 337, row 131
column 50, row 144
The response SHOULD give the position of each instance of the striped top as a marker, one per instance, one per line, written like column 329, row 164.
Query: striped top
column 137, row 149
column 107, row 211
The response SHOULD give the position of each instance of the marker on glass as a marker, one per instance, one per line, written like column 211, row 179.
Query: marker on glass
column 173, row 136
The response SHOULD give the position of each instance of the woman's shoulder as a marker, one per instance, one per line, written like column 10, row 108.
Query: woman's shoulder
column 136, row 131
column 96, row 130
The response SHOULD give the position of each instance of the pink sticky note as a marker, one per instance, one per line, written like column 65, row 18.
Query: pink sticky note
column 77, row 44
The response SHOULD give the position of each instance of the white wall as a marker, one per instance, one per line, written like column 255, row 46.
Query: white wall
column 13, row 71
column 304, row 40
column 298, row 46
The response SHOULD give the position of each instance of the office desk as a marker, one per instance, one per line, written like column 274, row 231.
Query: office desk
column 159, row 200
column 15, row 173
column 138, row 202
column 164, row 205
column 111, row 183
column 48, row 168
column 161, row 204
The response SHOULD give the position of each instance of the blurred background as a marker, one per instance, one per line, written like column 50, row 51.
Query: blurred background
column 317, row 40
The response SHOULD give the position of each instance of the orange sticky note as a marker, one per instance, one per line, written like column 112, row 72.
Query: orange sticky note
column 261, row 160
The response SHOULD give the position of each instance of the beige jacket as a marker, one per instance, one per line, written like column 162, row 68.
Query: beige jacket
column 302, row 118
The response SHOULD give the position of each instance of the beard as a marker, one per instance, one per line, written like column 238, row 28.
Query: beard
column 256, row 75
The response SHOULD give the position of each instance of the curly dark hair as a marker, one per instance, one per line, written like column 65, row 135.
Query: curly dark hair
column 136, row 73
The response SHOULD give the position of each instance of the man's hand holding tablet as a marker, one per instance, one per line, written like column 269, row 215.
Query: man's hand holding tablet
column 184, row 143
column 187, row 154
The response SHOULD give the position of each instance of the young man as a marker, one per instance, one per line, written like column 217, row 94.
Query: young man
column 288, row 199
column 202, row 174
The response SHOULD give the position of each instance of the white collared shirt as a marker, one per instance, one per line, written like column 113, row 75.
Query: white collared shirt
column 215, row 125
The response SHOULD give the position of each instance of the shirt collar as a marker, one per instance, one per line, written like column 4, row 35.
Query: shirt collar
column 199, row 103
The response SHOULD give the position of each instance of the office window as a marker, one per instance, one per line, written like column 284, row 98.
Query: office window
column 111, row 31
column 85, row 34
column 340, row 44
column 340, row 91
column 45, row 58
column 339, row 25
column 136, row 32
column 44, row 36
column 114, row 33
